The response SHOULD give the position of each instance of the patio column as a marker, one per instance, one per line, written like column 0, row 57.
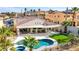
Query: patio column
column 36, row 30
column 18, row 32
column 31, row 29
column 45, row 29
column 28, row 30
column 58, row 28
column 54, row 29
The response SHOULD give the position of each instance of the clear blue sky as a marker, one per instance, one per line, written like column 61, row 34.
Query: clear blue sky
column 18, row 9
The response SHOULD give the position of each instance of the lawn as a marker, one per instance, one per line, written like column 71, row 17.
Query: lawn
column 61, row 38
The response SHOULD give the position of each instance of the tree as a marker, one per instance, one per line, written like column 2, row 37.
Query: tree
column 29, row 42
column 39, row 9
column 25, row 11
column 73, row 38
column 74, row 10
column 31, row 10
column 13, row 49
column 50, row 11
column 34, row 10
column 11, row 15
column 66, row 13
column 66, row 23
column 5, row 43
column 5, row 31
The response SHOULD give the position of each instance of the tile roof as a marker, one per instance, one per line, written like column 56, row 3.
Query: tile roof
column 32, row 21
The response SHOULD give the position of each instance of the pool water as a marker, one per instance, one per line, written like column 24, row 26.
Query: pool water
column 20, row 48
column 43, row 42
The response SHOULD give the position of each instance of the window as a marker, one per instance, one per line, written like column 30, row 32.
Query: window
column 54, row 16
column 68, row 15
column 64, row 16
column 73, row 23
column 58, row 16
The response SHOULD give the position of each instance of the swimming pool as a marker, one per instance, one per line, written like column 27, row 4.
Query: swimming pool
column 43, row 42
column 20, row 48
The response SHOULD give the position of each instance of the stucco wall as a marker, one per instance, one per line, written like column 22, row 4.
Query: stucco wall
column 72, row 29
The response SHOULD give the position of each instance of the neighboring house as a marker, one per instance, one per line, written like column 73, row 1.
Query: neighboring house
column 58, row 17
column 8, row 22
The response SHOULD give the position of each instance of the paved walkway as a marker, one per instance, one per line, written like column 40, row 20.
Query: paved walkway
column 37, row 35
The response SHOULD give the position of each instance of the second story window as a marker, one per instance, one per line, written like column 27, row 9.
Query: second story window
column 64, row 16
column 68, row 15
column 54, row 16
column 58, row 16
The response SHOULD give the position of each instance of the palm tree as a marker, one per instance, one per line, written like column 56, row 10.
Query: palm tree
column 34, row 10
column 50, row 11
column 74, row 10
column 66, row 13
column 39, row 12
column 5, row 31
column 73, row 39
column 31, row 10
column 39, row 9
column 29, row 42
column 66, row 23
column 4, row 42
column 25, row 11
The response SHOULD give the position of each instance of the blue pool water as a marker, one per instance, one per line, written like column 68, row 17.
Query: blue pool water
column 42, row 42
column 20, row 48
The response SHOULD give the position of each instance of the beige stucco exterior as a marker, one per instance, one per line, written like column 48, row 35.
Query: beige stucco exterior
column 59, row 17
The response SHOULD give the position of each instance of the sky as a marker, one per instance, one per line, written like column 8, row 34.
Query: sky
column 19, row 9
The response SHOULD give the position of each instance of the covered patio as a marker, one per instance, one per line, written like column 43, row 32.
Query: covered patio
column 36, row 25
column 34, row 30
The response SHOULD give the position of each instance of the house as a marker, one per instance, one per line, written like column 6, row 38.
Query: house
column 33, row 24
